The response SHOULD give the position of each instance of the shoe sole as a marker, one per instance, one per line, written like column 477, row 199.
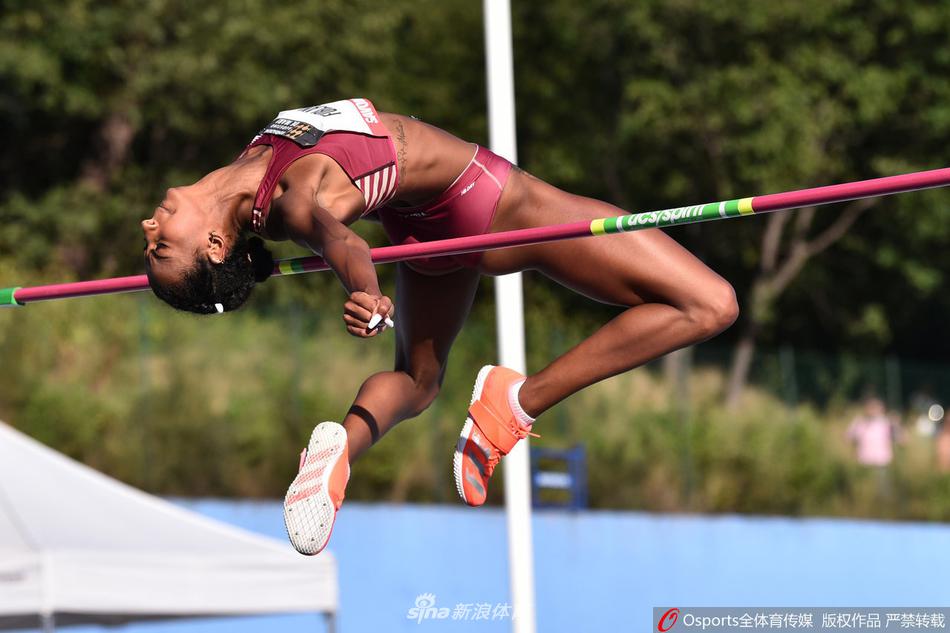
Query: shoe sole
column 309, row 521
column 467, row 432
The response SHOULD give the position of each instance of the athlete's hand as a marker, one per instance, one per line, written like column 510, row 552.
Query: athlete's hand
column 366, row 315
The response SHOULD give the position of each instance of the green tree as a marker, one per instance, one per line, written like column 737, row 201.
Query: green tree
column 657, row 103
column 647, row 104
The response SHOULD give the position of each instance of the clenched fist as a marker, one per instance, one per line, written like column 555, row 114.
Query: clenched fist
column 367, row 315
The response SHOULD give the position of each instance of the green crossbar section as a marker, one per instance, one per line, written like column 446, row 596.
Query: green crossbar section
column 7, row 299
column 671, row 217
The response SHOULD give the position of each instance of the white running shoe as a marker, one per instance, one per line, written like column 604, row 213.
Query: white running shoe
column 317, row 491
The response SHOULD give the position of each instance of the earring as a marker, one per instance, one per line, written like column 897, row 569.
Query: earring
column 212, row 236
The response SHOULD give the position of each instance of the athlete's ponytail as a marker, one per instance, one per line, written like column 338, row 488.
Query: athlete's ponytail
column 211, row 288
column 261, row 259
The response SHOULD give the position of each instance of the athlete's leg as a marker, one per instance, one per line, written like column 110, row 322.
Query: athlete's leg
column 429, row 314
column 430, row 311
column 673, row 299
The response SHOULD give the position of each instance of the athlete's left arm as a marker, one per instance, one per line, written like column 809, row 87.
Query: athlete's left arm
column 324, row 232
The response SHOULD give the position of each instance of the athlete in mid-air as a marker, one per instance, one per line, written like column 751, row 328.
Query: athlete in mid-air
column 314, row 171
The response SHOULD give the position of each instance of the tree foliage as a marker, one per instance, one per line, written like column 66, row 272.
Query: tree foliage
column 655, row 104
column 646, row 104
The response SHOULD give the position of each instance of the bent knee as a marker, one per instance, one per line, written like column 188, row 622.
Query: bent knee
column 716, row 309
column 425, row 391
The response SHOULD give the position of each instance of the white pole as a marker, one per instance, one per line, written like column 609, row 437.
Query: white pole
column 509, row 316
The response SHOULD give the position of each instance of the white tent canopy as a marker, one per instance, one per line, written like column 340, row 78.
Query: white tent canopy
column 77, row 546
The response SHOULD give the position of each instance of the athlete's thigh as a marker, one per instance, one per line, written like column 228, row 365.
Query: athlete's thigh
column 430, row 312
column 624, row 269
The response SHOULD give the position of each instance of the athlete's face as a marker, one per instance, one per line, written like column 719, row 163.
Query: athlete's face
column 174, row 236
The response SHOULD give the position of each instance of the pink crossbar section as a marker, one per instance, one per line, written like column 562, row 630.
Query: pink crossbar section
column 381, row 255
column 852, row 190
column 522, row 237
column 116, row 285
column 459, row 245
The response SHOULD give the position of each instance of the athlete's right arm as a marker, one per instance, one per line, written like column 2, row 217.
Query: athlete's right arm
column 348, row 255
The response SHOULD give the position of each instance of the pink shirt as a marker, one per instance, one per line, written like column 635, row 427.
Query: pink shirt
column 874, row 439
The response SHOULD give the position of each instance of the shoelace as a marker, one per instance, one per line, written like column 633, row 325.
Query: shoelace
column 496, row 455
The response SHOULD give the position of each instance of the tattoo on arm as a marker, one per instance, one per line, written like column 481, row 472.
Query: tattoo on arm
column 401, row 152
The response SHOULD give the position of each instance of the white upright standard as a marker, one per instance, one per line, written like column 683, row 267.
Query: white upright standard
column 509, row 316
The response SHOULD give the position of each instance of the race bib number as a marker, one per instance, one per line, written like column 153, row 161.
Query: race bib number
column 305, row 126
column 302, row 133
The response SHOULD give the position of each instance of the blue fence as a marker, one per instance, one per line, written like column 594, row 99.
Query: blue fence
column 595, row 570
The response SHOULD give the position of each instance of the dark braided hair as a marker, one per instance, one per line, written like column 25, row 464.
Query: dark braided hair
column 228, row 283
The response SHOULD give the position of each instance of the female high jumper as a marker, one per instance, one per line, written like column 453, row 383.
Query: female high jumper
column 313, row 171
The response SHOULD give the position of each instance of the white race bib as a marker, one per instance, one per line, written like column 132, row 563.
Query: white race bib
column 305, row 126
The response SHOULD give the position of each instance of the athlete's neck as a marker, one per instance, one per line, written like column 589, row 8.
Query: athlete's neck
column 234, row 187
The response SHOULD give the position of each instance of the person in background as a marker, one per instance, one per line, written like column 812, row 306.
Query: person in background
column 874, row 434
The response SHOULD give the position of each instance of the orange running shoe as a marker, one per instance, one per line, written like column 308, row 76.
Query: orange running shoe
column 317, row 491
column 490, row 432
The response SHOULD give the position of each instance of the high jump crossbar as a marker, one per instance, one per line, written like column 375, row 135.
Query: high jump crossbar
column 875, row 187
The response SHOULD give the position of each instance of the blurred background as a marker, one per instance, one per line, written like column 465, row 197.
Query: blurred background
column 644, row 103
